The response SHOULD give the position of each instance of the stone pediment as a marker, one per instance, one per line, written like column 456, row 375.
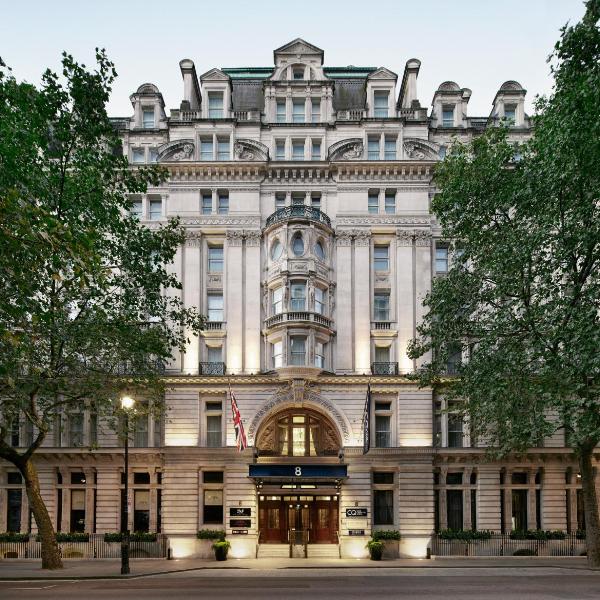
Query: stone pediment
column 383, row 73
column 176, row 150
column 417, row 149
column 245, row 149
column 298, row 46
column 214, row 75
column 350, row 149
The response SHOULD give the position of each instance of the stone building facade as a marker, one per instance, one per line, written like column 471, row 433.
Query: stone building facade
column 305, row 194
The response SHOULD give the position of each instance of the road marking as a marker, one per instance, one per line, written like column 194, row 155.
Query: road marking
column 46, row 587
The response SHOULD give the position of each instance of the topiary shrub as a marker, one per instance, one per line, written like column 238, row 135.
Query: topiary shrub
column 382, row 534
column 465, row 535
column 537, row 534
column 375, row 549
column 221, row 549
column 11, row 536
column 211, row 534
column 137, row 536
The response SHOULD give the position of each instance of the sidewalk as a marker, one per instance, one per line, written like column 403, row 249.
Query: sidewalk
column 14, row 569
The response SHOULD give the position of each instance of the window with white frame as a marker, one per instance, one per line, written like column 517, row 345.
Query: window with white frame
column 279, row 201
column 277, row 300
column 297, row 149
column 215, row 105
column 381, row 306
column 319, row 300
column 297, row 350
column 298, row 73
column 315, row 150
column 315, row 116
column 383, row 498
column 441, row 259
column 510, row 111
column 280, row 113
column 380, row 101
column 148, row 117
column 155, row 205
column 75, row 422
column 137, row 207
column 277, row 355
column 214, row 418
column 319, row 355
column 223, row 203
column 390, row 202
column 215, row 308
column 215, row 259
column 153, row 155
column 223, row 149
column 315, row 200
column 298, row 108
column 373, row 205
column 138, row 155
column 206, row 149
column 373, row 147
column 298, row 296
column 280, row 150
column 381, row 258
column 382, row 354
column 383, row 424
column 390, row 148
column 206, row 203
column 448, row 116
column 214, row 354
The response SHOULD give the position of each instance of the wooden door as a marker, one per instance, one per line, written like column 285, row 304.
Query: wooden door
column 271, row 521
column 325, row 522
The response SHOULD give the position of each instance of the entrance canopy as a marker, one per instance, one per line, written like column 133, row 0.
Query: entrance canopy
column 298, row 474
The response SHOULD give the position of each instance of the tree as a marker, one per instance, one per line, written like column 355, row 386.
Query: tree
column 522, row 300
column 88, row 306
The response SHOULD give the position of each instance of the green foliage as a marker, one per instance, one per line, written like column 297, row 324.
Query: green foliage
column 382, row 534
column 375, row 548
column 465, row 535
column 68, row 537
column 211, row 534
column 221, row 549
column 537, row 534
column 11, row 536
column 137, row 536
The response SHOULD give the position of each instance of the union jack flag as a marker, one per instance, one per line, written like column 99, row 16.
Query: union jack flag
column 240, row 434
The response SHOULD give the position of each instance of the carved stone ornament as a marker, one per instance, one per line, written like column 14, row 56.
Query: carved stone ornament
column 405, row 237
column 362, row 238
column 235, row 238
column 343, row 238
column 420, row 149
column 252, row 238
column 176, row 151
column 422, row 237
column 351, row 149
column 244, row 149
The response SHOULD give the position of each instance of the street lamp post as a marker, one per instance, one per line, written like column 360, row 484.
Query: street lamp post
column 126, row 404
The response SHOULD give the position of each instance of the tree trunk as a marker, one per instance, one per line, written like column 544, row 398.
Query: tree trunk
column 590, row 504
column 50, row 552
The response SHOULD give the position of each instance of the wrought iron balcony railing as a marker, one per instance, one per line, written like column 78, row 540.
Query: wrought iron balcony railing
column 212, row 368
column 298, row 211
column 384, row 368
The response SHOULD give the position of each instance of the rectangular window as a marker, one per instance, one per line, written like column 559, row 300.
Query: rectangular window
column 298, row 296
column 373, row 148
column 510, row 111
column 519, row 510
column 390, row 148
column 298, row 110
column 215, row 308
column 137, row 208
column 215, row 259
column 155, row 209
column 153, row 155
column 213, row 431
column 316, row 150
column 298, row 73
column 383, row 431
column 454, row 500
column 298, row 150
column 212, row 510
column 280, row 150
column 141, row 510
column 373, row 203
column 140, row 431
column 448, row 116
column 315, row 116
column 277, row 354
column 148, row 118
column 381, row 258
column 277, row 301
column 279, row 201
column 441, row 260
column 383, row 477
column 383, row 507
column 212, row 477
column 77, row 511
column 223, row 149
column 13, row 510
column 315, row 200
column 215, row 105
column 206, row 204
column 319, row 355
column 206, row 149
column 298, row 199
column 319, row 301
column 455, row 431
column 138, row 155
column 214, row 354
column 381, row 307
column 382, row 354
column 281, row 111
column 223, row 203
column 390, row 203
column 76, row 430
column 380, row 100
column 474, row 510
column 297, row 350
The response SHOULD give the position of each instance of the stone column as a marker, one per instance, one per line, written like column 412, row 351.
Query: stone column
column 344, row 338
column 90, row 517
column 191, row 296
column 467, row 499
column 252, row 302
column 362, row 302
column 108, row 499
column 234, row 314
column 443, row 499
column 422, row 279
column 65, row 524
column 488, row 498
column 3, row 500
column 405, row 297
column 153, row 495
column 554, row 506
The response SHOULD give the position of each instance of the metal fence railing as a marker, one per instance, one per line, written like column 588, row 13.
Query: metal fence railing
column 96, row 547
column 504, row 545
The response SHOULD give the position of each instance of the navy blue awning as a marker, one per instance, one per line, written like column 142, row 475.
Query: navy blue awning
column 298, row 472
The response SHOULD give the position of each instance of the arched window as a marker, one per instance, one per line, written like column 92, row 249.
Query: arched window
column 276, row 250
column 320, row 250
column 298, row 245
column 298, row 432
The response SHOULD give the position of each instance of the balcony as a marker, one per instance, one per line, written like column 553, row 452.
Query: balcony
column 384, row 368
column 298, row 316
column 299, row 211
column 214, row 326
column 212, row 368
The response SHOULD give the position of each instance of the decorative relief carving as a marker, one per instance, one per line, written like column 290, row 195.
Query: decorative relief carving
column 343, row 238
column 235, row 238
column 214, row 280
column 222, row 220
column 362, row 238
column 193, row 239
column 420, row 149
column 244, row 149
column 382, row 220
column 422, row 237
column 404, row 237
column 350, row 149
column 178, row 150
column 252, row 238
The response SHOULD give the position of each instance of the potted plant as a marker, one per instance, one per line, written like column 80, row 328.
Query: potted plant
column 391, row 542
column 375, row 549
column 206, row 538
column 221, row 548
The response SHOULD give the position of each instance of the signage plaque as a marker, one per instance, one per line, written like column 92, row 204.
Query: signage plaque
column 239, row 523
column 236, row 511
column 299, row 471
column 356, row 532
column 356, row 512
column 239, row 532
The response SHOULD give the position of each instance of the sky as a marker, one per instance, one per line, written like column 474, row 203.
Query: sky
column 477, row 43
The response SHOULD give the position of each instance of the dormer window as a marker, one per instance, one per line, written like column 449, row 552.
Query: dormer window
column 215, row 105
column 448, row 116
column 510, row 111
column 298, row 73
column 381, row 104
column 148, row 118
column 298, row 110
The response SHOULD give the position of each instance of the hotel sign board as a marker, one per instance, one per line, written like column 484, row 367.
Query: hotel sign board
column 240, row 511
column 298, row 471
column 356, row 512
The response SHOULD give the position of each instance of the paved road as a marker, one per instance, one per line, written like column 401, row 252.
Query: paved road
column 466, row 584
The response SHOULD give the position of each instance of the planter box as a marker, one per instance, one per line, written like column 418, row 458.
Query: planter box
column 391, row 549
